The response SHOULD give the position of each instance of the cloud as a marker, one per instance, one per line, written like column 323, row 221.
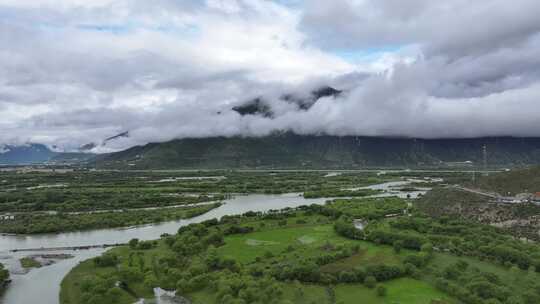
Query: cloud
column 454, row 27
column 74, row 72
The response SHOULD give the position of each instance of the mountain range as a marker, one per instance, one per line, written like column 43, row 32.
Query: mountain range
column 34, row 153
column 288, row 150
column 292, row 151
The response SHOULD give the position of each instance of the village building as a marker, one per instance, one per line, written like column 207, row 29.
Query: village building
column 7, row 217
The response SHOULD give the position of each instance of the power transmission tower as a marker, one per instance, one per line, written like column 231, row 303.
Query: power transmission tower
column 484, row 152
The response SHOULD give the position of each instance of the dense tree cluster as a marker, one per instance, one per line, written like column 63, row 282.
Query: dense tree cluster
column 48, row 223
column 106, row 260
column 80, row 199
column 472, row 286
column 100, row 290
column 463, row 237
column 406, row 240
column 369, row 209
column 345, row 227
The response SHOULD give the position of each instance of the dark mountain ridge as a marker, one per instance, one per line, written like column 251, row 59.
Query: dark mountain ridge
column 289, row 150
column 259, row 106
column 89, row 146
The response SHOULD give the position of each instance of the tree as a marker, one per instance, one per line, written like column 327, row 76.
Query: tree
column 106, row 260
column 384, row 272
column 462, row 265
column 133, row 243
column 4, row 277
column 150, row 280
column 145, row 245
column 212, row 259
column 4, row 274
column 427, row 248
column 114, row 294
column 129, row 274
column 415, row 260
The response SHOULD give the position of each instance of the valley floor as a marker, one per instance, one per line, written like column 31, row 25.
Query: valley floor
column 314, row 254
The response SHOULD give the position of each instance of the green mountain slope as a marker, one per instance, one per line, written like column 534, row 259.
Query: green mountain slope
column 310, row 151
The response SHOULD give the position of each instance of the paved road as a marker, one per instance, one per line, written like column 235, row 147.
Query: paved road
column 476, row 191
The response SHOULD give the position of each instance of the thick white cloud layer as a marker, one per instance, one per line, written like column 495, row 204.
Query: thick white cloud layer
column 74, row 72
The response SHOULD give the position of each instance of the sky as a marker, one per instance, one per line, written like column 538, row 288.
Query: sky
column 74, row 72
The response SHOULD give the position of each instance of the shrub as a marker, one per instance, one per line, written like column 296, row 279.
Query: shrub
column 397, row 246
column 106, row 260
column 370, row 281
column 145, row 245
column 381, row 291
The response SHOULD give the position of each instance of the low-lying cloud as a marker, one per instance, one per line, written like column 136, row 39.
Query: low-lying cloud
column 75, row 72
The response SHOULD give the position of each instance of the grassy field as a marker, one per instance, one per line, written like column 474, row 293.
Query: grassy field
column 307, row 239
column 245, row 248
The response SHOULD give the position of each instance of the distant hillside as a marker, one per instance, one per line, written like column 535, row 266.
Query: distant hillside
column 510, row 183
column 310, row 151
column 450, row 201
column 37, row 154
column 522, row 220
column 71, row 158
column 25, row 154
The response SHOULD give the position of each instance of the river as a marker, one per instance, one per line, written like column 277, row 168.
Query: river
column 42, row 285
